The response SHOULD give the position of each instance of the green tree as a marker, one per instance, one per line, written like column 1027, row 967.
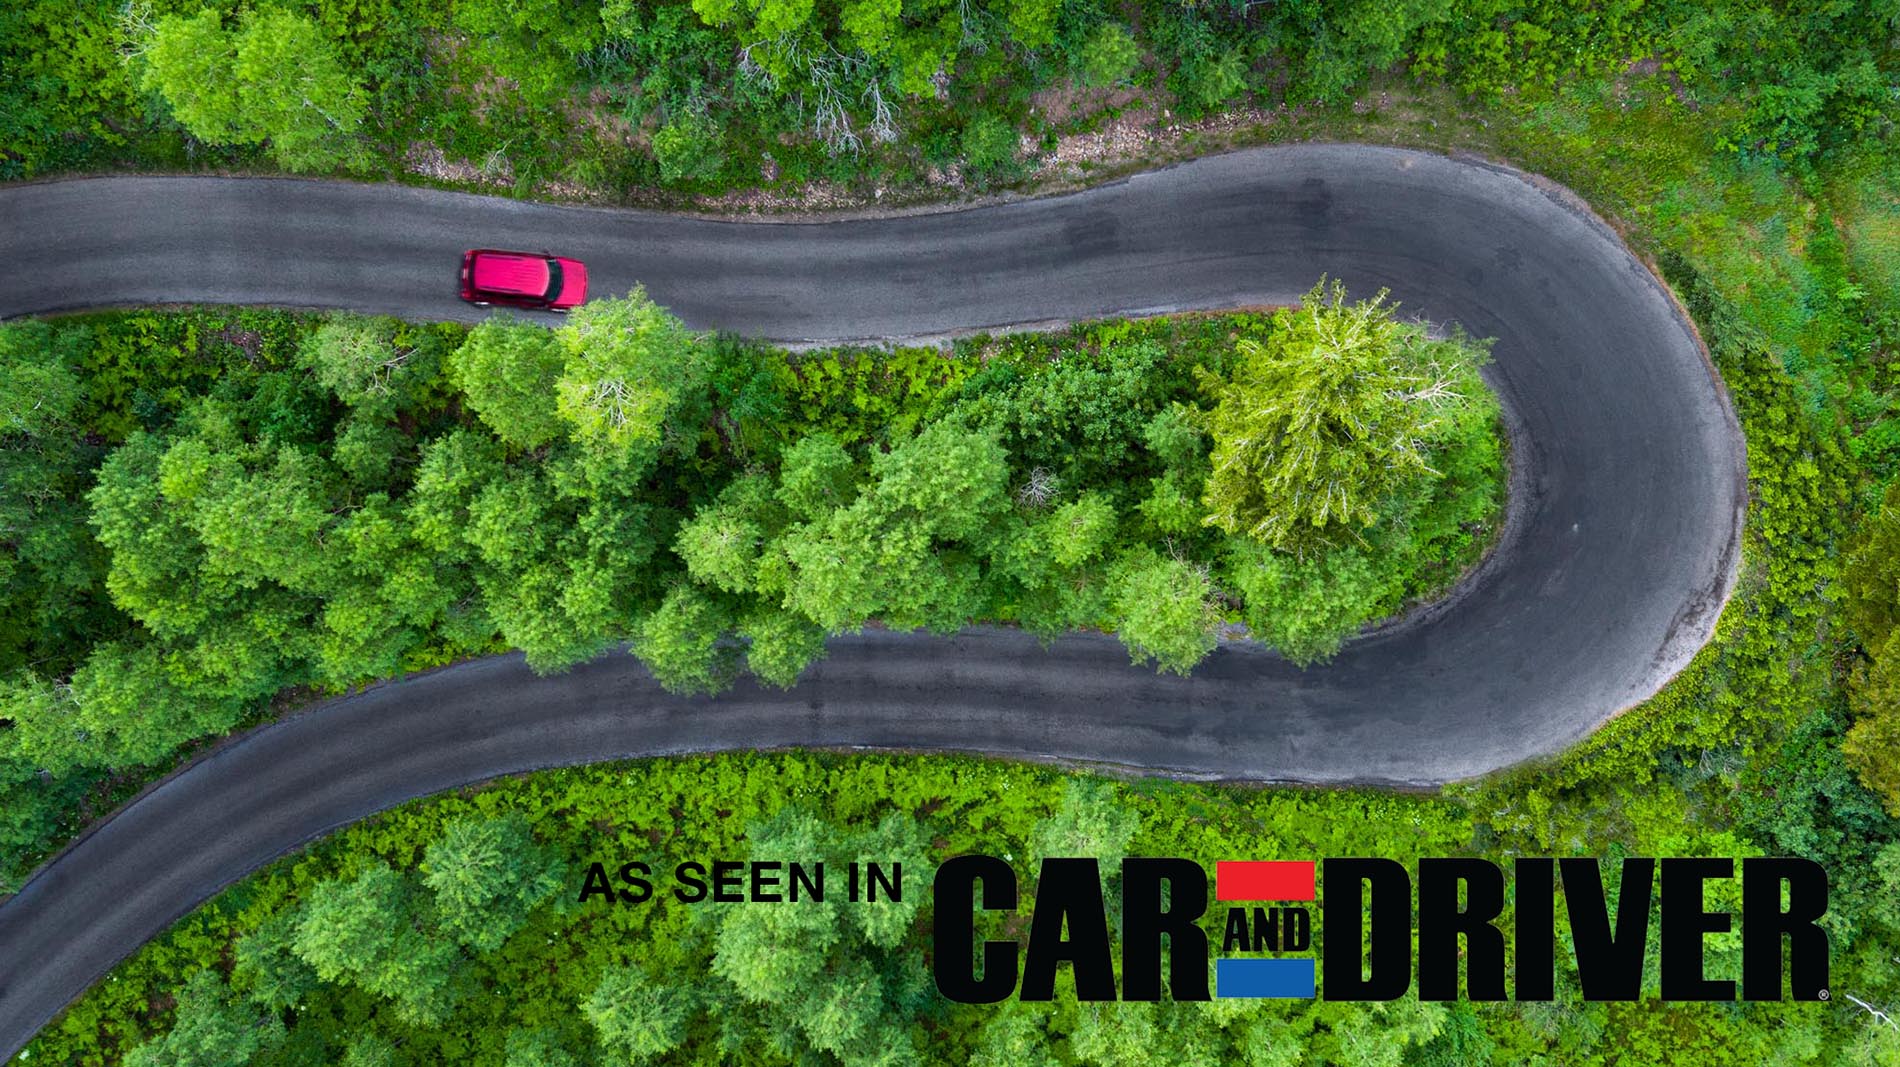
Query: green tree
column 375, row 931
column 1306, row 608
column 1090, row 820
column 1164, row 610
column 387, row 593
column 1870, row 580
column 1014, row 1035
column 132, row 712
column 636, row 1018
column 680, row 642
column 780, row 644
column 354, row 356
column 536, row 1048
column 1108, row 56
column 816, row 475
column 1204, row 82
column 687, row 147
column 989, row 144
column 455, row 470
column 38, row 389
column 1338, row 411
column 629, row 364
column 507, row 371
column 815, row 969
column 278, row 78
column 296, row 90
column 209, row 1029
column 487, row 875
column 267, row 966
column 721, row 544
column 189, row 61
column 907, row 548
column 1080, row 531
column 1872, row 746
column 372, row 1050
column 1870, row 574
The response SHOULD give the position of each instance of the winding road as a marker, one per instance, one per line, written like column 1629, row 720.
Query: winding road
column 1628, row 494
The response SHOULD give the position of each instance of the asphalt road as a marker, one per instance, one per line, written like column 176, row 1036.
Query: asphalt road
column 1624, row 539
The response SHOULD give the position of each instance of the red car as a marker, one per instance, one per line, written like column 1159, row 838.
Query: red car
column 522, row 279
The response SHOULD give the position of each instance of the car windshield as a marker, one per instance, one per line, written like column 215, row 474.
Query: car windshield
column 554, row 279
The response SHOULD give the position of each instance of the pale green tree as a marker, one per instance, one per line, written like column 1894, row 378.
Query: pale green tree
column 628, row 365
column 1335, row 413
column 354, row 356
column 1090, row 820
column 1108, row 55
column 816, row 476
column 780, row 644
column 189, row 60
column 278, row 78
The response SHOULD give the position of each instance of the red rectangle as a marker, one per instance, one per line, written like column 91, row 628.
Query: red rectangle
column 1263, row 880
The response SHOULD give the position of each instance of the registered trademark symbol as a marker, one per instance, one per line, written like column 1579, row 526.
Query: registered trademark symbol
column 1824, row 994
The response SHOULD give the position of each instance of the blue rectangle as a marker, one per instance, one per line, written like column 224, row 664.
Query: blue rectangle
column 1263, row 978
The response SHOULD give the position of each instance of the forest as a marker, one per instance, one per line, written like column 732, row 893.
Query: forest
column 1745, row 149
column 629, row 99
column 232, row 505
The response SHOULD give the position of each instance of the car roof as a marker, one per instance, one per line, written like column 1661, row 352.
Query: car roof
column 511, row 272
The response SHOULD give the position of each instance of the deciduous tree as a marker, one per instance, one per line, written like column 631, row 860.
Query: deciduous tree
column 507, row 372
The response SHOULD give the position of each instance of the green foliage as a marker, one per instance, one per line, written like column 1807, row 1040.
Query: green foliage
column 679, row 642
column 989, row 143
column 1108, row 56
column 628, row 365
column 209, row 1030
column 1205, row 82
column 790, row 982
column 1317, row 430
column 507, row 371
column 780, row 645
column 688, row 148
column 278, row 78
column 816, row 476
column 903, row 549
column 1090, row 821
column 1306, row 607
column 487, row 875
column 377, row 932
column 187, row 61
column 1870, row 577
column 38, row 390
column 266, row 965
column 1164, row 611
column 636, row 1019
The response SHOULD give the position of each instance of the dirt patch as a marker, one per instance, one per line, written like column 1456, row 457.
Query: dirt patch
column 1062, row 104
column 427, row 159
